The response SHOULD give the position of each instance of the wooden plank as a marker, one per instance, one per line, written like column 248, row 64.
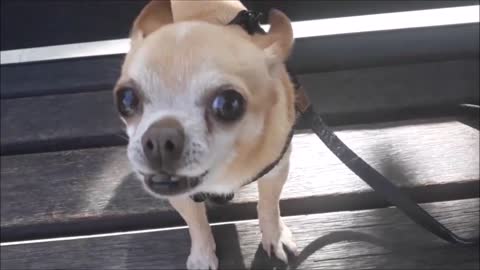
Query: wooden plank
column 379, row 238
column 82, row 21
column 59, row 77
column 346, row 97
column 316, row 54
column 59, row 122
column 382, row 48
column 86, row 191
column 389, row 88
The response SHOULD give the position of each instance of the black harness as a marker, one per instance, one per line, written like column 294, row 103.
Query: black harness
column 249, row 20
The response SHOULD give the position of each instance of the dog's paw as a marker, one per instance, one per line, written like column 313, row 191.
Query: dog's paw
column 203, row 258
column 275, row 237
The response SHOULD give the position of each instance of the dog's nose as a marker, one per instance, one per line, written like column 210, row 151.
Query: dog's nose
column 163, row 144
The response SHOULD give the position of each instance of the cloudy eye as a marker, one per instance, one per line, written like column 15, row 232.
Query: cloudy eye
column 228, row 105
column 127, row 102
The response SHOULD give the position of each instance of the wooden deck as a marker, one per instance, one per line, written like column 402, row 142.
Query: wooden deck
column 69, row 200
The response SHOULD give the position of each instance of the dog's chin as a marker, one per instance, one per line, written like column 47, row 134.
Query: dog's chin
column 171, row 185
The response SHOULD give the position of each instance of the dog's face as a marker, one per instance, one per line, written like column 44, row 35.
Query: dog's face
column 195, row 98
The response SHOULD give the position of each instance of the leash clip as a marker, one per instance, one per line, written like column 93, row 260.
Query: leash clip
column 249, row 20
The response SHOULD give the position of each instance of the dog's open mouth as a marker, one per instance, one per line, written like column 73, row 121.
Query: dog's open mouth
column 165, row 184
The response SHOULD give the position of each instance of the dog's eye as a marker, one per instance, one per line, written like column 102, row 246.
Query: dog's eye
column 228, row 105
column 127, row 102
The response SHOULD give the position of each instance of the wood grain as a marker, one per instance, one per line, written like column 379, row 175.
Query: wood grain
column 378, row 238
column 92, row 190
column 393, row 88
column 59, row 77
column 385, row 48
column 357, row 96
column 59, row 122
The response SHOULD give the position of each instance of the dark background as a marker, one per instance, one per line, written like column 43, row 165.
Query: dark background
column 27, row 24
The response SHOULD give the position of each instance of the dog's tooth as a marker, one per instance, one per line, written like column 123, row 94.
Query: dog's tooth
column 159, row 178
column 155, row 179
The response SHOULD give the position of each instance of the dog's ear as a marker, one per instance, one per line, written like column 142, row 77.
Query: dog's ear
column 153, row 16
column 278, row 42
column 280, row 35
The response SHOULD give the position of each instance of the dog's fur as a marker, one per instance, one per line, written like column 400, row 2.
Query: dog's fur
column 181, row 52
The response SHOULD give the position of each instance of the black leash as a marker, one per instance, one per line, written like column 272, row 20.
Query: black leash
column 249, row 20
column 368, row 174
column 380, row 184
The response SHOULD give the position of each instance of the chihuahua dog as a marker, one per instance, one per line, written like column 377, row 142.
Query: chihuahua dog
column 207, row 106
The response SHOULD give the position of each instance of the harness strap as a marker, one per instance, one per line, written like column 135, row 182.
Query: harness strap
column 249, row 21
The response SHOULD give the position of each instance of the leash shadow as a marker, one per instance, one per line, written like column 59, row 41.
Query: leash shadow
column 261, row 260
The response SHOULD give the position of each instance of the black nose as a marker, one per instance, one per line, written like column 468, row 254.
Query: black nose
column 163, row 144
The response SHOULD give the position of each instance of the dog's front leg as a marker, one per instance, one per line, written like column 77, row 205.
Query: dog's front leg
column 275, row 233
column 202, row 252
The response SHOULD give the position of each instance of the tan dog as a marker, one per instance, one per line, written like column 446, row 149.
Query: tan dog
column 207, row 107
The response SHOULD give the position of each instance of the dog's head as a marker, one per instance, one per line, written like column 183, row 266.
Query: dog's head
column 204, row 104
